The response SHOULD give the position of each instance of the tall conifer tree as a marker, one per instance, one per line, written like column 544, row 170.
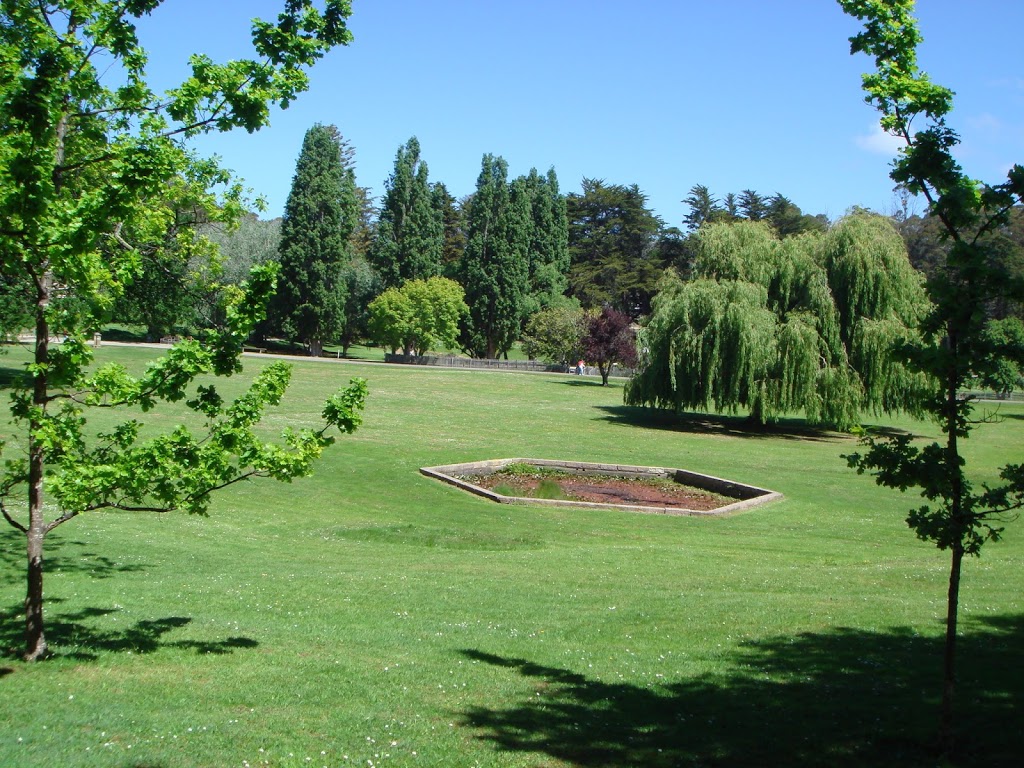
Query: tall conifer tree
column 612, row 239
column 495, row 266
column 320, row 215
column 453, row 222
column 410, row 233
column 549, row 241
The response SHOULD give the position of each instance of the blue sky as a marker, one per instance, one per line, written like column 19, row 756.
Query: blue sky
column 665, row 94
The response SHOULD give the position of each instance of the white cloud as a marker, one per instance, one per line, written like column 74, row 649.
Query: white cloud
column 878, row 141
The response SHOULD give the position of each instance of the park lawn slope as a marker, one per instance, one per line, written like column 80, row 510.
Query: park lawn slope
column 369, row 614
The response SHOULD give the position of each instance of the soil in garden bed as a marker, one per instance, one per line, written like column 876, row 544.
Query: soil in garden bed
column 651, row 492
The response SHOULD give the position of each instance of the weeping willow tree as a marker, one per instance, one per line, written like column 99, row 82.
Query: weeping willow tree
column 806, row 324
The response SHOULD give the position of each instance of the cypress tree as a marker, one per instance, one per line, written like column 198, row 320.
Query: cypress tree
column 453, row 226
column 320, row 214
column 752, row 205
column 410, row 232
column 495, row 266
column 549, row 241
column 612, row 239
column 702, row 204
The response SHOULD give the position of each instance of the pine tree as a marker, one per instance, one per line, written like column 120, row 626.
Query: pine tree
column 410, row 232
column 731, row 206
column 320, row 215
column 495, row 265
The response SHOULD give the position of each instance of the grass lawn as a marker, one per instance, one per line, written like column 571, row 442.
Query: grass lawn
column 371, row 616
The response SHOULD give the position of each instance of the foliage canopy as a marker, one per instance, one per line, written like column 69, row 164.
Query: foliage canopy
column 495, row 266
column 84, row 166
column 956, row 342
column 775, row 326
column 409, row 242
column 418, row 316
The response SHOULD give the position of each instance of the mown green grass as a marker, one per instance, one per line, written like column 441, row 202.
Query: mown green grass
column 369, row 614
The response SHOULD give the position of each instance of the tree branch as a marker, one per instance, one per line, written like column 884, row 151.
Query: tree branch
column 992, row 220
column 133, row 508
column 62, row 519
column 11, row 520
column 216, row 112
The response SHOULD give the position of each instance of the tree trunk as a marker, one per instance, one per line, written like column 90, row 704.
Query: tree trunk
column 605, row 369
column 949, row 657
column 35, row 640
column 956, row 512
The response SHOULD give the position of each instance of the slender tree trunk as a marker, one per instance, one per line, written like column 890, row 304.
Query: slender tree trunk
column 955, row 474
column 949, row 658
column 35, row 640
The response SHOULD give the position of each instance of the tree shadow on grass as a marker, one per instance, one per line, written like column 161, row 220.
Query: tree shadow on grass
column 717, row 424
column 13, row 376
column 841, row 698
column 582, row 381
column 62, row 556
column 76, row 635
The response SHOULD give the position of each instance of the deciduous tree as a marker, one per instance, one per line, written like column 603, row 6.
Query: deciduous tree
column 555, row 333
column 954, row 346
column 418, row 316
column 609, row 340
column 179, row 270
column 776, row 326
column 16, row 294
column 83, row 165
column 244, row 244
